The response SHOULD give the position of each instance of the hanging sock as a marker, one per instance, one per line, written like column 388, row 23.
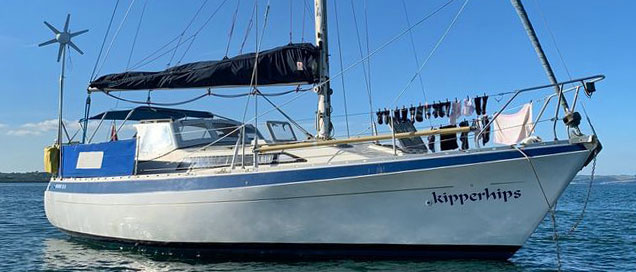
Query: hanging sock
column 469, row 107
column 436, row 110
column 456, row 111
column 405, row 114
column 478, row 105
column 419, row 115
column 427, row 108
column 484, row 101
column 431, row 143
column 464, row 135
column 412, row 110
column 396, row 115
column 485, row 136
column 380, row 115
column 387, row 116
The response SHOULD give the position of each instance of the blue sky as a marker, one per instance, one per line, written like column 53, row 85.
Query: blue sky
column 487, row 51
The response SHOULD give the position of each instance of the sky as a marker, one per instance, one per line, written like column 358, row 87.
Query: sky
column 485, row 51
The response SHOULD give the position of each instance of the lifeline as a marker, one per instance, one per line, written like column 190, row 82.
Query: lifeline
column 486, row 194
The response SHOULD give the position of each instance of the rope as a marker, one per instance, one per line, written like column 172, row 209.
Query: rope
column 439, row 42
column 302, row 33
column 344, row 92
column 587, row 198
column 555, row 234
column 99, row 55
column 229, row 39
column 194, row 36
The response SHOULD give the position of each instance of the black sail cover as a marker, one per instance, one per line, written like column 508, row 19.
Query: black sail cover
column 286, row 65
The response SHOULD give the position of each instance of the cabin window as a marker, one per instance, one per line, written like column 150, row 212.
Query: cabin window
column 194, row 132
column 281, row 131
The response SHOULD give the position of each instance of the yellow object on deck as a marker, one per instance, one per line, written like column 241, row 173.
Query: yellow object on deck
column 51, row 159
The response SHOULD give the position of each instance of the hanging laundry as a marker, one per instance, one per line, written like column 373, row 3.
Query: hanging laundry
column 485, row 136
column 380, row 116
column 412, row 110
column 419, row 115
column 463, row 137
column 396, row 115
column 387, row 116
column 436, row 110
column 478, row 105
column 427, row 108
column 448, row 141
column 404, row 112
column 510, row 129
column 469, row 108
column 456, row 111
column 447, row 108
column 431, row 143
column 484, row 101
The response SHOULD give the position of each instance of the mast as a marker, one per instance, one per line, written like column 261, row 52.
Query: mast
column 521, row 11
column 323, row 115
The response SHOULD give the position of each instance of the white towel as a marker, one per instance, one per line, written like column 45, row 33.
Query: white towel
column 510, row 129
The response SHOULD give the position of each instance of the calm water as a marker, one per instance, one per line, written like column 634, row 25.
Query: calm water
column 606, row 240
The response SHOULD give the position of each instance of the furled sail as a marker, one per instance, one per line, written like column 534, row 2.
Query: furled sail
column 286, row 65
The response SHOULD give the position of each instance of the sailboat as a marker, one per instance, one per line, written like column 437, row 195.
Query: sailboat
column 195, row 180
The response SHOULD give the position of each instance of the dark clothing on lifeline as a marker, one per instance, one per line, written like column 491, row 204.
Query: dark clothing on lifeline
column 448, row 141
column 464, row 135
column 485, row 136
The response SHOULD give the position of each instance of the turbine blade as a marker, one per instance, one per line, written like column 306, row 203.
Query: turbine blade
column 52, row 28
column 47, row 42
column 78, row 33
column 75, row 47
column 68, row 18
column 59, row 52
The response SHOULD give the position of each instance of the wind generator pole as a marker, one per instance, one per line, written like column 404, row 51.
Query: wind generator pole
column 63, row 38
column 323, row 115
column 521, row 11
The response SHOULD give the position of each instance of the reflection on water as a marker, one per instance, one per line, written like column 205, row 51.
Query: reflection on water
column 63, row 254
column 606, row 240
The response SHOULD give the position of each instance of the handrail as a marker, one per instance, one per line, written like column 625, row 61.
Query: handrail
column 266, row 148
column 582, row 80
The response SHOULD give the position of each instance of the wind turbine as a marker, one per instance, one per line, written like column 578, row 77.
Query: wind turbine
column 64, row 39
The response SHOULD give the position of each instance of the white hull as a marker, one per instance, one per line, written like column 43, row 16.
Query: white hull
column 398, row 208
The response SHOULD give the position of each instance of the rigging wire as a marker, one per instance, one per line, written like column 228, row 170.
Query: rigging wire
column 101, row 49
column 439, row 42
column 186, row 29
column 344, row 92
column 194, row 36
column 554, row 42
column 302, row 32
column 385, row 44
column 250, row 24
column 364, row 68
column 291, row 17
column 110, row 46
column 417, row 61
column 132, row 48
column 231, row 32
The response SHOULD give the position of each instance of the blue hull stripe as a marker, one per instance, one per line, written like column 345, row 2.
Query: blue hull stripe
column 299, row 175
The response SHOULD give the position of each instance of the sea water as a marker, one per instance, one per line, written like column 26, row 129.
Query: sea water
column 605, row 240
